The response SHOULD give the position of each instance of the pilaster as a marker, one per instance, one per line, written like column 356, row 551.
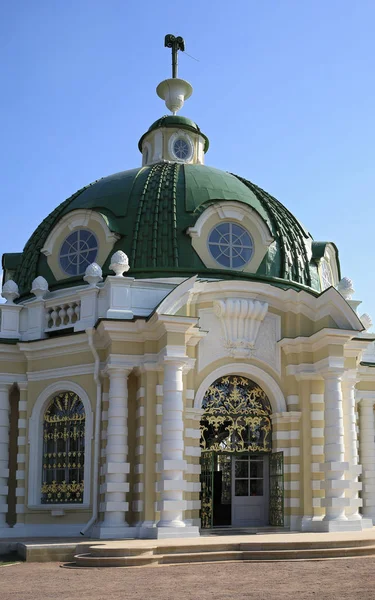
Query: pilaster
column 367, row 454
column 21, row 455
column 4, row 452
column 116, row 486
column 334, row 466
column 286, row 439
column 173, row 465
column 351, row 450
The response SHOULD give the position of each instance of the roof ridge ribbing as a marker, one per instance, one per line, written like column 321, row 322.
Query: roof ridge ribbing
column 156, row 219
column 290, row 236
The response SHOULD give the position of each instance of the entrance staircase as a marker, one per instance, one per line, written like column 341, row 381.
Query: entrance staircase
column 272, row 547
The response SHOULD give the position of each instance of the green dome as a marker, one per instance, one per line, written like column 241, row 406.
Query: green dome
column 151, row 209
column 175, row 121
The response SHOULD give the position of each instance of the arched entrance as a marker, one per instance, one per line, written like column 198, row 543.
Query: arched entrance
column 238, row 482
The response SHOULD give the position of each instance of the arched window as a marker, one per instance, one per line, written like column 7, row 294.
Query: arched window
column 63, row 450
column 236, row 417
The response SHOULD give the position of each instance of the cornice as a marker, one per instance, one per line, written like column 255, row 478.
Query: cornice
column 317, row 371
column 11, row 378
column 61, row 372
column 54, row 346
column 329, row 303
column 316, row 341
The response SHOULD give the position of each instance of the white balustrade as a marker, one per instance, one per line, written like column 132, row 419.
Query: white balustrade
column 62, row 315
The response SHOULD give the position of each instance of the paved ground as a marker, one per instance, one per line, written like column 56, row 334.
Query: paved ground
column 321, row 580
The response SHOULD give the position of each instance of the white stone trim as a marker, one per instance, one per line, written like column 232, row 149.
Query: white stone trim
column 232, row 211
column 61, row 372
column 181, row 134
column 193, row 433
column 36, row 443
column 73, row 220
column 267, row 383
column 193, row 450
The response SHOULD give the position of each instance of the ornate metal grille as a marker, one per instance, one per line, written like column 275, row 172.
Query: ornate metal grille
column 236, row 418
column 63, row 450
column 207, row 488
column 277, row 489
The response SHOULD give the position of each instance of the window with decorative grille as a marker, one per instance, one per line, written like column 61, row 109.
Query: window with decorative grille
column 63, row 450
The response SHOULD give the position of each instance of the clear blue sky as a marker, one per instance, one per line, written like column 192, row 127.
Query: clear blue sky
column 284, row 89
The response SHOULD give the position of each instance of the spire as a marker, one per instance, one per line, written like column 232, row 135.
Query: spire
column 176, row 43
column 174, row 91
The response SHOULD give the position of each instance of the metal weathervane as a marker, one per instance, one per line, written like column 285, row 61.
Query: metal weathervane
column 176, row 43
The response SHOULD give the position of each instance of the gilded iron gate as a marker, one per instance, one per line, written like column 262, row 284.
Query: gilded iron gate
column 207, row 489
column 237, row 420
column 277, row 489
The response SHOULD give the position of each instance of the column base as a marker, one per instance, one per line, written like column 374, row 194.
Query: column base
column 317, row 524
column 160, row 533
column 101, row 531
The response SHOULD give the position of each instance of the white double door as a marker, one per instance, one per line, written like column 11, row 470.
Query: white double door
column 250, row 490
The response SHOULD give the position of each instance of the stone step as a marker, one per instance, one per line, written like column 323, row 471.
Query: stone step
column 217, row 555
column 265, row 546
column 261, row 555
column 87, row 560
column 120, row 550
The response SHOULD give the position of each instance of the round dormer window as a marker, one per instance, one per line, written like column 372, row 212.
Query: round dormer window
column 231, row 245
column 181, row 149
column 78, row 251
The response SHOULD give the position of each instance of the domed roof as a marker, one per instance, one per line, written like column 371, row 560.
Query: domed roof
column 151, row 209
column 175, row 121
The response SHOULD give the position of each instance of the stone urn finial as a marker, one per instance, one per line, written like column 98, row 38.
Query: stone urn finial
column 119, row 263
column 10, row 291
column 93, row 274
column 345, row 287
column 366, row 321
column 39, row 287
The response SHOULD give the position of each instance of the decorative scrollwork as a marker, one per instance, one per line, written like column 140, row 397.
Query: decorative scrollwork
column 277, row 489
column 237, row 417
column 63, row 450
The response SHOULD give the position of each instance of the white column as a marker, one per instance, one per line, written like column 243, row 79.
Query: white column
column 367, row 451
column 351, row 450
column 117, row 467
column 173, row 465
column 4, row 452
column 334, row 464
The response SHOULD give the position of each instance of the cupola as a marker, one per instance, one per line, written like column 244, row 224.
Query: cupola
column 173, row 138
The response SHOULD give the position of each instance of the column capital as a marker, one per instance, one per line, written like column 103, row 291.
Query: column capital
column 332, row 373
column 148, row 367
column 182, row 362
column 5, row 387
column 367, row 401
column 292, row 416
column 350, row 377
column 117, row 370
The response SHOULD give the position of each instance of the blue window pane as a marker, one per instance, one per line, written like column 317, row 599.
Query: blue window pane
column 222, row 228
column 215, row 236
column 230, row 245
column 238, row 262
column 84, row 234
column 78, row 251
column 181, row 149
column 215, row 251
